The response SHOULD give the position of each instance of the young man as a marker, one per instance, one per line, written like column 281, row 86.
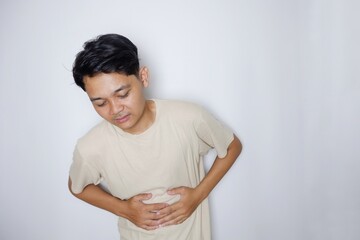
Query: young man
column 148, row 152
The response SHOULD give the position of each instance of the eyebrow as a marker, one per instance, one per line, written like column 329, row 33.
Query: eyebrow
column 116, row 91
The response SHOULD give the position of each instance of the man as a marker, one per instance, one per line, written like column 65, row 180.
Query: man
column 149, row 152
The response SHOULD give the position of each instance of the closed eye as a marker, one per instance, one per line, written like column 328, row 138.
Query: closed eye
column 124, row 95
column 101, row 104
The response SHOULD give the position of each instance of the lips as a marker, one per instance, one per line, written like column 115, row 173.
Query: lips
column 122, row 119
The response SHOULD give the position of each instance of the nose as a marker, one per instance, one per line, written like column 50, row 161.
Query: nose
column 115, row 107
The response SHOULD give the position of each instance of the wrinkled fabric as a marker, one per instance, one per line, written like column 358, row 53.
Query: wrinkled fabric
column 169, row 154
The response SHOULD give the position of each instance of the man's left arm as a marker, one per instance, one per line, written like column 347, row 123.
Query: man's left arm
column 190, row 198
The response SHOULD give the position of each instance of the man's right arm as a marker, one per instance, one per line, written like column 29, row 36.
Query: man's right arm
column 142, row 215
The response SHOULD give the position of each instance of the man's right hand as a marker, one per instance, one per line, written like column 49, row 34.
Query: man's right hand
column 143, row 215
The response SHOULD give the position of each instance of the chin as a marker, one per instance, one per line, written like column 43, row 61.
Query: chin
column 123, row 127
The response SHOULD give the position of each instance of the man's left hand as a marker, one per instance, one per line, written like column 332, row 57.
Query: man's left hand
column 181, row 210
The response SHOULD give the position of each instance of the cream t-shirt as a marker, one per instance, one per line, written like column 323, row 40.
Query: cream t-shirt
column 169, row 154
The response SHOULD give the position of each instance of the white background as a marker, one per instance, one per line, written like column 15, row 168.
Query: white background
column 283, row 74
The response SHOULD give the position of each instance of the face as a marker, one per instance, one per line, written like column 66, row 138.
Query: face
column 119, row 99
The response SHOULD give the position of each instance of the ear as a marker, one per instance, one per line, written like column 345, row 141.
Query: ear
column 144, row 76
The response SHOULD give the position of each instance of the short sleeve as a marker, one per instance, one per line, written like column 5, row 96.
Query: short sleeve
column 213, row 134
column 82, row 173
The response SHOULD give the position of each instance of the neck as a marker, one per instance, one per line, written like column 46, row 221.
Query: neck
column 147, row 118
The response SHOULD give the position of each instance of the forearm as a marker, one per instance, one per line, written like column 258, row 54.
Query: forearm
column 219, row 168
column 143, row 215
column 192, row 197
column 96, row 196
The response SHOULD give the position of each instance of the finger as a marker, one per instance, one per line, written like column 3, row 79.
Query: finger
column 155, row 207
column 172, row 211
column 174, row 191
column 170, row 217
column 167, row 210
column 175, row 221
column 149, row 228
column 142, row 196
column 155, row 216
column 150, row 225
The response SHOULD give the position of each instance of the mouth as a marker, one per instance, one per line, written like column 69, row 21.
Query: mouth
column 122, row 119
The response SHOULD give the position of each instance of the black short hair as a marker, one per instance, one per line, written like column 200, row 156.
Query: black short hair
column 106, row 53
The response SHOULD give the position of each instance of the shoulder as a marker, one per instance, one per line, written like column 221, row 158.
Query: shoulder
column 179, row 107
column 95, row 137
